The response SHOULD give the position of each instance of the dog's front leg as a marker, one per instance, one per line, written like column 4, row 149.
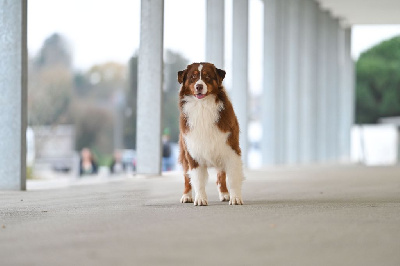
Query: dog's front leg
column 198, row 179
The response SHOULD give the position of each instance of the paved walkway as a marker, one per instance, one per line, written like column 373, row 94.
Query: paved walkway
column 347, row 215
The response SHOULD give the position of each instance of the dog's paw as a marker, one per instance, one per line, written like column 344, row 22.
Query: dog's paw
column 186, row 198
column 235, row 200
column 200, row 201
column 224, row 196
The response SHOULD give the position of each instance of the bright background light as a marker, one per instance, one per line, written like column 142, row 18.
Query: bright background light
column 101, row 31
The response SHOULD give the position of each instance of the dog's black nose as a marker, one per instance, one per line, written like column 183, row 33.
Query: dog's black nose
column 199, row 87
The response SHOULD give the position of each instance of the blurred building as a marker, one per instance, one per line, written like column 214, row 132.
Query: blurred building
column 54, row 148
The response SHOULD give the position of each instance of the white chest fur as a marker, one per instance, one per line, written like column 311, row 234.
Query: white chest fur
column 205, row 142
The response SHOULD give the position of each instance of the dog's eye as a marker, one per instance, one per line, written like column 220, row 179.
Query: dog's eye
column 194, row 76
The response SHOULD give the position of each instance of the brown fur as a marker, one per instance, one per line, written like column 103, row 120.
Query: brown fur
column 221, row 181
column 227, row 122
column 188, row 186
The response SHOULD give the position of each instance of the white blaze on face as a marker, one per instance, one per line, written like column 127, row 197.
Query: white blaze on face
column 201, row 82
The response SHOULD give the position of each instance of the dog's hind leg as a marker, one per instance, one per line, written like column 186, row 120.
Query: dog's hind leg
column 222, row 189
column 187, row 191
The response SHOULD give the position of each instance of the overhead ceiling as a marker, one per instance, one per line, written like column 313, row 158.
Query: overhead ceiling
column 364, row 11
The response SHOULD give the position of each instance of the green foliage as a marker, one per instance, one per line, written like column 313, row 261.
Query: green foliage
column 378, row 82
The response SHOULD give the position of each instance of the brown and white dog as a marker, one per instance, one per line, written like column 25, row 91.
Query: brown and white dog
column 209, row 135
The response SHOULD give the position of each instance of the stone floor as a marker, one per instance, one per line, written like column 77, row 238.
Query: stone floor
column 322, row 215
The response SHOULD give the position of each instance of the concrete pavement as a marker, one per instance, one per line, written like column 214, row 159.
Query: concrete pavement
column 324, row 215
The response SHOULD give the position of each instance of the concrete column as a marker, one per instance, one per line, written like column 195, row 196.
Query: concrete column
column 240, row 68
column 215, row 24
column 290, row 88
column 347, row 96
column 13, row 99
column 270, row 92
column 280, row 80
column 150, row 87
column 342, row 96
column 336, row 107
column 332, row 79
column 330, row 89
column 322, row 85
column 308, row 82
column 351, row 84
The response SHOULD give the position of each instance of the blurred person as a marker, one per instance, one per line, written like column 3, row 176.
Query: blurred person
column 167, row 163
column 87, row 165
column 117, row 166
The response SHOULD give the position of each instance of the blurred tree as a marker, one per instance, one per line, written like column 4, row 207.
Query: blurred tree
column 94, row 127
column 173, row 63
column 55, row 51
column 100, row 102
column 98, row 107
column 131, row 105
column 105, row 79
column 50, row 83
column 378, row 82
column 49, row 97
column 81, row 84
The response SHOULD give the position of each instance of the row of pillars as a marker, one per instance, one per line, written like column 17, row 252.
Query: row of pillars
column 150, row 73
column 307, row 100
column 308, row 85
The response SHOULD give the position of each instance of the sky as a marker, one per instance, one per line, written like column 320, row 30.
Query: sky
column 366, row 36
column 101, row 31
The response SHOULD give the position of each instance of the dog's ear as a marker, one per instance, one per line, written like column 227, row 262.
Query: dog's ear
column 182, row 76
column 221, row 74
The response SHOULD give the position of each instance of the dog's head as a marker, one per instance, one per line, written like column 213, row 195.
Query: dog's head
column 200, row 80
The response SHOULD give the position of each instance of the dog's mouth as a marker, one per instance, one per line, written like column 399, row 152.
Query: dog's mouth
column 200, row 96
